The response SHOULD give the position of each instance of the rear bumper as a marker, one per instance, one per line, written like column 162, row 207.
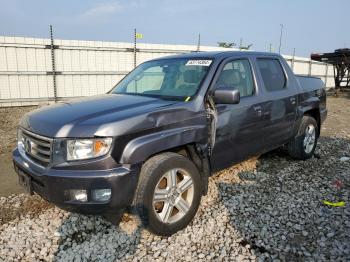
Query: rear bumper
column 53, row 185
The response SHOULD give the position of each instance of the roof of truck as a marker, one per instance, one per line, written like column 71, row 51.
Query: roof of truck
column 218, row 54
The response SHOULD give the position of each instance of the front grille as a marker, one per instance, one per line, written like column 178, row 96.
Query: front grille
column 37, row 147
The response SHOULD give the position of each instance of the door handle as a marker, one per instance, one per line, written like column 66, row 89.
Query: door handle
column 258, row 110
column 292, row 100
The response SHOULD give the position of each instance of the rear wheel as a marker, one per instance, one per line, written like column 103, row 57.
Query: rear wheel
column 304, row 144
column 169, row 193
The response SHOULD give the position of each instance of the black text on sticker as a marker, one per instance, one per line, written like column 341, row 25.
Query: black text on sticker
column 198, row 63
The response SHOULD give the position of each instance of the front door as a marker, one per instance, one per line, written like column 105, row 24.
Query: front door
column 239, row 127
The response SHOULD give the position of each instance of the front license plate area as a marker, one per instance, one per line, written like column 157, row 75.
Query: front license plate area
column 25, row 182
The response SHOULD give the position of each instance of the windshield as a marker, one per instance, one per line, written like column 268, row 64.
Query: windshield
column 167, row 78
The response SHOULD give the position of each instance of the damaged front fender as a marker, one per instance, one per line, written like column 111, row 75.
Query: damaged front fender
column 141, row 148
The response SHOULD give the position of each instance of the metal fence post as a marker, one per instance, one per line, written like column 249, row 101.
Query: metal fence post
column 199, row 43
column 326, row 76
column 53, row 65
column 134, row 47
column 310, row 67
column 293, row 60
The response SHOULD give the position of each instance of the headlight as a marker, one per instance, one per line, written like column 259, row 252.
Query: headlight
column 79, row 149
column 20, row 142
column 20, row 138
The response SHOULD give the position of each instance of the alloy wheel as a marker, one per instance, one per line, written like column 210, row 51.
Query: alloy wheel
column 310, row 138
column 173, row 195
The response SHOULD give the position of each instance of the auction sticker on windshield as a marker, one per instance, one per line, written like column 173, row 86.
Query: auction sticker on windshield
column 198, row 62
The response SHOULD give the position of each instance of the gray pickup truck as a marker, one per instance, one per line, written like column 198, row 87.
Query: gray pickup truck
column 150, row 144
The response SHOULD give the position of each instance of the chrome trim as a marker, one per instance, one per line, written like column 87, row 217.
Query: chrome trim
column 38, row 148
column 48, row 139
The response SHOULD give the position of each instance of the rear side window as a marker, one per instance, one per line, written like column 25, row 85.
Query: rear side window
column 272, row 74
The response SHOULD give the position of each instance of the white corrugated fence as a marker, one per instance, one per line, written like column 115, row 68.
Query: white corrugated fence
column 85, row 68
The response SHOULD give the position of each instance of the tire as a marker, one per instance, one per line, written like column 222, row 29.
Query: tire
column 297, row 147
column 159, row 172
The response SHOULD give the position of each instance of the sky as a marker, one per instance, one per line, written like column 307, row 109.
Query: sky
column 308, row 25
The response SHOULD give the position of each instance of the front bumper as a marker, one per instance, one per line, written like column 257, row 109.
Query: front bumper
column 52, row 184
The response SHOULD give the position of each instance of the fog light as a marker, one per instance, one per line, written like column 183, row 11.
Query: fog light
column 101, row 194
column 79, row 195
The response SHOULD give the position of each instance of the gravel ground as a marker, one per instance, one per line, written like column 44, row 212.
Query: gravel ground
column 9, row 119
column 260, row 210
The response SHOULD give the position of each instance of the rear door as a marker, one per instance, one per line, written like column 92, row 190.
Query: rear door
column 239, row 127
column 280, row 101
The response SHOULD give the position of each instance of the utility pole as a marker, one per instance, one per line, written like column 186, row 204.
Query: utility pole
column 270, row 47
column 240, row 43
column 279, row 49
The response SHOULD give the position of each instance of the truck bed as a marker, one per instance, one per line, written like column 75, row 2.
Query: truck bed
column 309, row 83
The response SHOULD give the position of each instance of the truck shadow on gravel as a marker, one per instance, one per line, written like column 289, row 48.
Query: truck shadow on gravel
column 278, row 210
column 92, row 238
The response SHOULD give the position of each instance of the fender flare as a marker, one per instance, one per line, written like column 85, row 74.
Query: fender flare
column 312, row 104
column 141, row 148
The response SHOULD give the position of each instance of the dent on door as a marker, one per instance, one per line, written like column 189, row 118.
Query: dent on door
column 238, row 135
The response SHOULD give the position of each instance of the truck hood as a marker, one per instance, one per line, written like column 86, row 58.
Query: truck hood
column 104, row 115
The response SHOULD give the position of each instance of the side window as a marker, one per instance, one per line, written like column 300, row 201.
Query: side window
column 238, row 75
column 152, row 78
column 272, row 74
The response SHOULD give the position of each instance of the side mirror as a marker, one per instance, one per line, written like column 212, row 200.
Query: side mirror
column 224, row 95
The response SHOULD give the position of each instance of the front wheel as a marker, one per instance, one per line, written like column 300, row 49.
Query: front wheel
column 168, row 194
column 304, row 144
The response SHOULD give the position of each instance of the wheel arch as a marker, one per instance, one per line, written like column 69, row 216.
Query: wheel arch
column 189, row 142
column 315, row 113
column 142, row 148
